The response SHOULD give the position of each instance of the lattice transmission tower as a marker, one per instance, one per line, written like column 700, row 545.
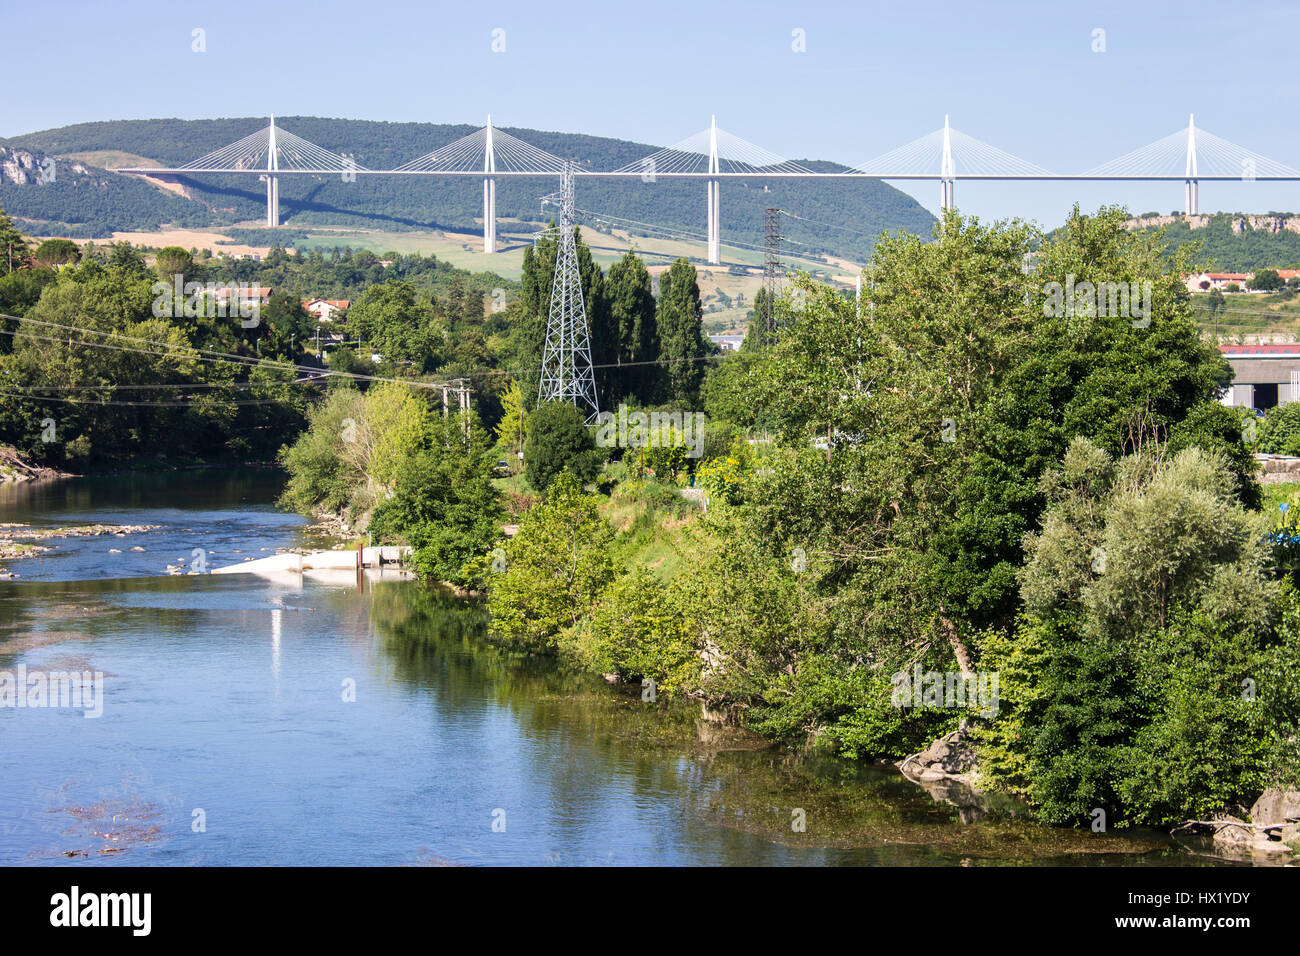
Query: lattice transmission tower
column 567, row 373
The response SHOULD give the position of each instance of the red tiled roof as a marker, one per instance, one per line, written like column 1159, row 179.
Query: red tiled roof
column 1252, row 351
column 262, row 291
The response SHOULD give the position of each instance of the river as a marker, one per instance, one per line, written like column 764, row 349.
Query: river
column 248, row 721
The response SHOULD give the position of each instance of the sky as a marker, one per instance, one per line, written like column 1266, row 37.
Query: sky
column 843, row 81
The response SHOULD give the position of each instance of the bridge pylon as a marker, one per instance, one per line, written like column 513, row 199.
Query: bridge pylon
column 1191, row 188
column 489, row 192
column 946, row 169
column 714, row 198
column 272, row 180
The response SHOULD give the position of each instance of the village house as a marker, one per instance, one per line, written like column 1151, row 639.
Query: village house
column 324, row 309
column 1205, row 281
column 260, row 294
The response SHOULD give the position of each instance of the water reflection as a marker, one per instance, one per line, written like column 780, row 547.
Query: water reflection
column 730, row 785
column 443, row 730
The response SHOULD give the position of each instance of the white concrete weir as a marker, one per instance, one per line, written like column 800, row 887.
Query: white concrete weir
column 342, row 560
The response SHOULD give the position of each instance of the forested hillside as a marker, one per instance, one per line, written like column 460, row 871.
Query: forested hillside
column 1228, row 243
column 83, row 201
column 848, row 215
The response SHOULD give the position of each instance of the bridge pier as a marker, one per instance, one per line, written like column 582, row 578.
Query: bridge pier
column 490, row 215
column 714, row 200
column 273, row 200
column 945, row 194
column 1192, row 197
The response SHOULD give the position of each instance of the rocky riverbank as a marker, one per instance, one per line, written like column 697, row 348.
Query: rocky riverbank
column 14, row 467
column 15, row 539
column 948, row 770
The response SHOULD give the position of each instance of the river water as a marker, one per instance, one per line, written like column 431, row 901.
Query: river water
column 251, row 721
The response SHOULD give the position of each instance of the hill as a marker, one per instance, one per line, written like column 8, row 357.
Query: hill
column 845, row 217
column 1231, row 242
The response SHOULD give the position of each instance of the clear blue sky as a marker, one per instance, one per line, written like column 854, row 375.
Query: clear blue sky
column 1022, row 76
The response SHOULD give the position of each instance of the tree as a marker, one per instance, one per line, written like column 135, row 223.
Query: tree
column 512, row 427
column 558, row 442
column 555, row 568
column 1266, row 280
column 389, row 321
column 443, row 503
column 286, row 325
column 13, row 247
column 173, row 261
column 57, row 252
column 632, row 317
column 1123, row 542
column 935, row 413
column 1151, row 619
column 679, row 319
column 1216, row 301
column 125, row 256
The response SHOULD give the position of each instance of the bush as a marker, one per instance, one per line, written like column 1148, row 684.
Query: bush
column 1195, row 718
column 558, row 442
column 1279, row 434
column 1149, row 679
column 556, row 566
column 638, row 631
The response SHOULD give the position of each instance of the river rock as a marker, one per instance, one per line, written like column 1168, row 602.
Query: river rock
column 1273, row 830
column 1276, row 806
column 1238, row 839
column 952, row 756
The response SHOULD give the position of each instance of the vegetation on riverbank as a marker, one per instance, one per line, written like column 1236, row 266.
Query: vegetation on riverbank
column 950, row 478
column 960, row 481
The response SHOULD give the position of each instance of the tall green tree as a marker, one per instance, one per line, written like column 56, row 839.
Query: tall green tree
column 13, row 247
column 555, row 568
column 172, row 261
column 679, row 318
column 915, row 434
column 57, row 252
column 558, row 442
column 632, row 319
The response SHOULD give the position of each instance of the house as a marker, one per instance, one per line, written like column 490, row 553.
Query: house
column 324, row 309
column 1263, row 376
column 247, row 293
column 1205, row 281
column 728, row 343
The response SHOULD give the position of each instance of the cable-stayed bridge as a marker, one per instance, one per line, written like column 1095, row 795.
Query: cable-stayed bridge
column 1189, row 155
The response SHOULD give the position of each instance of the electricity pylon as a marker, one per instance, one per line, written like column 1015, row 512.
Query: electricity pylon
column 567, row 374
